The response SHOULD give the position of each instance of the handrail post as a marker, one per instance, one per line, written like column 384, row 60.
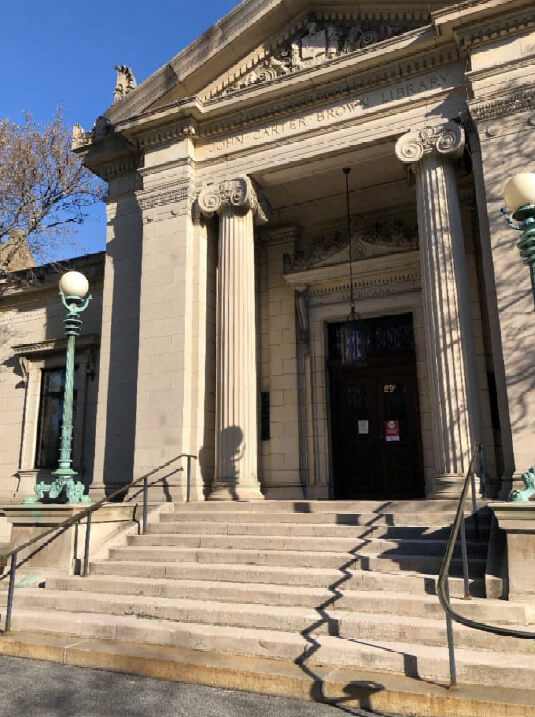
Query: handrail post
column 464, row 552
column 482, row 476
column 451, row 645
column 86, row 545
column 75, row 561
column 474, row 497
column 145, row 503
column 10, row 591
column 188, row 480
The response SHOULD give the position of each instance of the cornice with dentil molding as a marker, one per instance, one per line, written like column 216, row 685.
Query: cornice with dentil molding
column 169, row 193
column 496, row 108
column 490, row 30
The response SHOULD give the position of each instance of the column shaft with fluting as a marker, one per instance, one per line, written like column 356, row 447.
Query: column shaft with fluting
column 444, row 284
column 236, row 474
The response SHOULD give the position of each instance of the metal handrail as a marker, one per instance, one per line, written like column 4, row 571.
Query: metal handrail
column 443, row 576
column 76, row 520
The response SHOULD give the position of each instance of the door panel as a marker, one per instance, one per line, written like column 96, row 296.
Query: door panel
column 375, row 427
column 354, row 449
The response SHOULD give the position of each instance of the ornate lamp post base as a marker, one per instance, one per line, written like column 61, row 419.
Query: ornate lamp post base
column 74, row 490
column 528, row 494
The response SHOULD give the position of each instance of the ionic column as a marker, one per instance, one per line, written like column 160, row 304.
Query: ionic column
column 236, row 385
column 446, row 309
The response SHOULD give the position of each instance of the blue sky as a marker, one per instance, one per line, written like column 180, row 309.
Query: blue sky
column 59, row 52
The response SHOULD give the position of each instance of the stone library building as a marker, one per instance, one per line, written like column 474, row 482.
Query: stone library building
column 308, row 285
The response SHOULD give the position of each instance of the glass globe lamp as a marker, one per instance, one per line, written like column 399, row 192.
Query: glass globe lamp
column 519, row 196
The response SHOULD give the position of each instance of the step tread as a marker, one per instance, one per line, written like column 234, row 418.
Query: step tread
column 242, row 551
column 290, row 570
column 289, row 679
column 239, row 608
column 306, row 538
column 333, row 573
column 179, row 549
column 350, row 646
column 79, row 584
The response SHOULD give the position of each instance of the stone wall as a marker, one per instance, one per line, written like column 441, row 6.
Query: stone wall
column 32, row 338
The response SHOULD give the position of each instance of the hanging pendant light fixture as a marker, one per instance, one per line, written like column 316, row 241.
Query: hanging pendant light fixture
column 353, row 331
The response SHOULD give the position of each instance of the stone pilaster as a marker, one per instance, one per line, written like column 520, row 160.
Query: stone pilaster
column 236, row 475
column 442, row 258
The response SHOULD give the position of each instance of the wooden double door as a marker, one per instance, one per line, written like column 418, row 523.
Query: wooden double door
column 375, row 429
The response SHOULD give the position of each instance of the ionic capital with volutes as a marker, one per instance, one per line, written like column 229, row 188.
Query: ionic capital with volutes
column 237, row 193
column 444, row 140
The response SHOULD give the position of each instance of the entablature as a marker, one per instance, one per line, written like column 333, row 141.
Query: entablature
column 373, row 277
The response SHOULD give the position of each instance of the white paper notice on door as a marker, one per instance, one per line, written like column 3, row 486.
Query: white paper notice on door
column 363, row 427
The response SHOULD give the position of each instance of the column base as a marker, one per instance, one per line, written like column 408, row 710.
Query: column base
column 448, row 486
column 224, row 491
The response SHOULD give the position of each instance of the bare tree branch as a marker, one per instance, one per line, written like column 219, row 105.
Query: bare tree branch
column 44, row 189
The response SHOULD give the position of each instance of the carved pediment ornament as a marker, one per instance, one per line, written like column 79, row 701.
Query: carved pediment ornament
column 445, row 139
column 238, row 193
column 124, row 83
column 368, row 239
column 318, row 40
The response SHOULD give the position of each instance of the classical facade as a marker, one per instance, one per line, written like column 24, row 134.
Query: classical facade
column 234, row 255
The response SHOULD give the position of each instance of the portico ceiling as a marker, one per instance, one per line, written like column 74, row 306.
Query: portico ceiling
column 316, row 191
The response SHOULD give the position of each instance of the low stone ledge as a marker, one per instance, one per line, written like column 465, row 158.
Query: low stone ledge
column 517, row 520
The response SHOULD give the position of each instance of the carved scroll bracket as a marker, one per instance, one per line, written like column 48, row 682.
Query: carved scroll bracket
column 238, row 193
column 446, row 139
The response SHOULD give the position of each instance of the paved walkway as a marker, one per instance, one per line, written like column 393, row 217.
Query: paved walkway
column 46, row 689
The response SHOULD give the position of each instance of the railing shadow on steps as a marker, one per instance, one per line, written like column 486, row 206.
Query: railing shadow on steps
column 459, row 528
column 361, row 690
column 86, row 513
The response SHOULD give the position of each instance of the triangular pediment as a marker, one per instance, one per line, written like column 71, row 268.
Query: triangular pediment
column 263, row 40
column 313, row 40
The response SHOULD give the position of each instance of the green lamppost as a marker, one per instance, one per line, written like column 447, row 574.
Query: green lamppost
column 73, row 289
column 519, row 197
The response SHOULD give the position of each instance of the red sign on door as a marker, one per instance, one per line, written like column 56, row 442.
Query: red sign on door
column 391, row 431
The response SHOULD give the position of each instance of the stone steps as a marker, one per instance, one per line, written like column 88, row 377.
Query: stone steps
column 308, row 577
column 287, row 558
column 331, row 619
column 337, row 598
column 326, row 530
column 300, row 507
column 362, row 546
column 324, row 518
column 412, row 659
column 341, row 585
column 354, row 688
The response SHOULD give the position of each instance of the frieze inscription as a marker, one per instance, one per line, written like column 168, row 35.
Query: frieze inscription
column 340, row 111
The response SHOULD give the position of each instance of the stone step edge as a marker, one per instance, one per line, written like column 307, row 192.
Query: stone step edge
column 212, row 606
column 376, row 691
column 338, row 553
column 327, row 572
column 59, row 622
column 425, row 598
column 296, row 538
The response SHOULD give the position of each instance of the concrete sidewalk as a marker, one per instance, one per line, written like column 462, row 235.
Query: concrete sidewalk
column 31, row 688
